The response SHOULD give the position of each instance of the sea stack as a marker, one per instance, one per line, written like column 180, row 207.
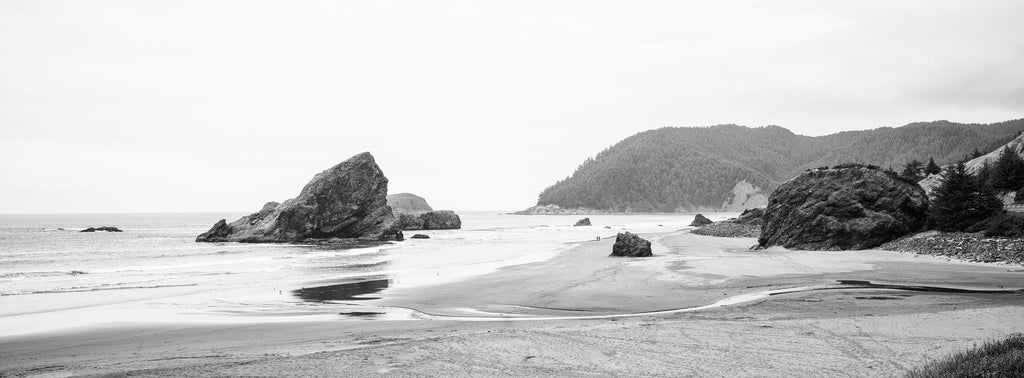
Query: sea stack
column 583, row 222
column 700, row 220
column 345, row 201
column 846, row 207
column 630, row 245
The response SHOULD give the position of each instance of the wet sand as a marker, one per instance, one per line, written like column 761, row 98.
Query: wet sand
column 847, row 332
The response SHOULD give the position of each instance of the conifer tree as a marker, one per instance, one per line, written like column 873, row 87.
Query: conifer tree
column 1008, row 171
column 913, row 170
column 931, row 168
column 960, row 201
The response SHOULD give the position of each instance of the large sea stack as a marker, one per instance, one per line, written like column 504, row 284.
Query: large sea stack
column 345, row 201
column 846, row 207
column 630, row 245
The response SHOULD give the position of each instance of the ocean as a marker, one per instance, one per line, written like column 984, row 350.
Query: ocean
column 53, row 277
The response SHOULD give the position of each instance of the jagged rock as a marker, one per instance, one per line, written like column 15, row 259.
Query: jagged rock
column 846, row 207
column 345, row 201
column 419, row 236
column 104, row 228
column 629, row 245
column 700, row 220
column 751, row 217
column 583, row 222
column 408, row 203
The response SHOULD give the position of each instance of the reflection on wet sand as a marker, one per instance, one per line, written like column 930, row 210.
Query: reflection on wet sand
column 349, row 290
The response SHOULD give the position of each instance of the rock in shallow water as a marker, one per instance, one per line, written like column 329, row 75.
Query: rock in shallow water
column 583, row 222
column 345, row 201
column 104, row 228
column 700, row 220
column 851, row 207
column 630, row 245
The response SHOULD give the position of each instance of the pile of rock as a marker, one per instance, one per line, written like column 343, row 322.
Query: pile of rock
column 747, row 225
column 961, row 246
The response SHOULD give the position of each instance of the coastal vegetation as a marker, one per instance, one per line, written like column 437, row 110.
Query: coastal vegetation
column 688, row 168
column 993, row 359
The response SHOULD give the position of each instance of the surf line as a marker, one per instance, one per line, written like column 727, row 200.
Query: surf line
column 739, row 299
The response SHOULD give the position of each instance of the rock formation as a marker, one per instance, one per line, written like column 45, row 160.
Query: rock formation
column 345, row 201
column 846, row 207
column 629, row 245
column 433, row 220
column 583, row 222
column 104, row 228
column 419, row 236
column 752, row 217
column 700, row 220
column 408, row 203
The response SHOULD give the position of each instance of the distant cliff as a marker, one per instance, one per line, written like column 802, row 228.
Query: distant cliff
column 731, row 167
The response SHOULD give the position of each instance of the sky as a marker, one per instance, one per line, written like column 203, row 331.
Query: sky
column 188, row 106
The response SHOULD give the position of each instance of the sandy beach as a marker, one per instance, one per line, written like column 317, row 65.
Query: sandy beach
column 584, row 301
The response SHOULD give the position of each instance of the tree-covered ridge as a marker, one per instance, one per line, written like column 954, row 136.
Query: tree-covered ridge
column 675, row 168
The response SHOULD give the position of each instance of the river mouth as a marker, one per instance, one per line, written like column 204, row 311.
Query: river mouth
column 475, row 315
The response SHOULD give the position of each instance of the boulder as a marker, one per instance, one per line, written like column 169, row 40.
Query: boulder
column 345, row 201
column 104, row 228
column 419, row 236
column 700, row 220
column 751, row 217
column 583, row 222
column 399, row 236
column 408, row 203
column 630, row 245
column 846, row 207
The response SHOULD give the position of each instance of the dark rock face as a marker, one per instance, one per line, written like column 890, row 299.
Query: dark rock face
column 847, row 207
column 700, row 220
column 399, row 236
column 408, row 203
column 419, row 236
column 629, row 245
column 104, row 228
column 345, row 201
column 433, row 220
column 583, row 222
column 752, row 217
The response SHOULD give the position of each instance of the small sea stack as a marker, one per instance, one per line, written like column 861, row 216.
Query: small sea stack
column 102, row 229
column 700, row 220
column 582, row 222
column 629, row 245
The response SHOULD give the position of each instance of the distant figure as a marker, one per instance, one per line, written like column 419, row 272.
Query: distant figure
column 598, row 238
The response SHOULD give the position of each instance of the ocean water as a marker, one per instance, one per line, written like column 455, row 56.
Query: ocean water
column 53, row 277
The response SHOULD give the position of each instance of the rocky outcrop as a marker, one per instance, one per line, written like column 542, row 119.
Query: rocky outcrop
column 433, row 220
column 846, row 207
column 630, row 245
column 557, row 210
column 961, row 246
column 345, row 201
column 408, row 203
column 583, row 222
column 752, row 217
column 700, row 220
column 104, row 229
column 419, row 236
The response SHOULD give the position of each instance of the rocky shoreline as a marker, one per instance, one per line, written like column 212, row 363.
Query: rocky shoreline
column 961, row 246
column 729, row 229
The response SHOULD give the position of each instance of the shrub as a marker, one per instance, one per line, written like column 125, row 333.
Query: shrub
column 993, row 359
column 1005, row 224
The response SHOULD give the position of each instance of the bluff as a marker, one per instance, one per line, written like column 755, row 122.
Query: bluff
column 730, row 167
column 344, row 201
column 846, row 207
column 408, row 203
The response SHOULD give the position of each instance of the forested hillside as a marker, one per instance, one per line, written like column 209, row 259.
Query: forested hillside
column 681, row 169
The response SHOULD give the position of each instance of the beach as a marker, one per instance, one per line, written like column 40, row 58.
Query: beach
column 581, row 313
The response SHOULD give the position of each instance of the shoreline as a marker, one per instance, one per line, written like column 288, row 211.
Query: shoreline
column 892, row 329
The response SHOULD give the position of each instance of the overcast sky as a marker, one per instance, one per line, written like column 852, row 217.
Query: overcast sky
column 160, row 106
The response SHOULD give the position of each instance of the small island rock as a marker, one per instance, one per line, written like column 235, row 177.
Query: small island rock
column 630, row 245
column 583, row 222
column 700, row 220
column 846, row 207
column 419, row 236
column 104, row 228
column 345, row 201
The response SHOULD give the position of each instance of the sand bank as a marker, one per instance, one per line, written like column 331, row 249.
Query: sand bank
column 858, row 332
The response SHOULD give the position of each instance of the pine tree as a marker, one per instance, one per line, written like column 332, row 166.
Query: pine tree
column 961, row 201
column 913, row 170
column 932, row 168
column 984, row 175
column 1008, row 171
